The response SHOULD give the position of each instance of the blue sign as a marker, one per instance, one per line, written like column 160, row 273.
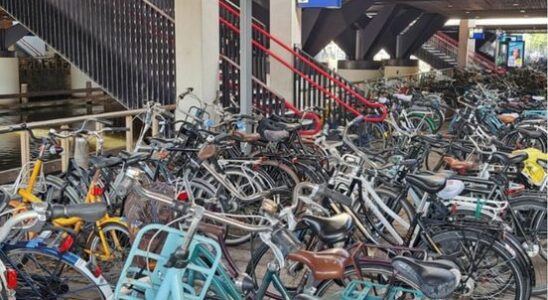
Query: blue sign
column 478, row 36
column 319, row 3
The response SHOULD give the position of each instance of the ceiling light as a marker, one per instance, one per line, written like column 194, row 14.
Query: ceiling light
column 467, row 12
column 515, row 4
column 477, row 17
column 522, row 11
column 450, row 5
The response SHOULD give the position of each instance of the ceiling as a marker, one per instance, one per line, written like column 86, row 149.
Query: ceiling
column 472, row 9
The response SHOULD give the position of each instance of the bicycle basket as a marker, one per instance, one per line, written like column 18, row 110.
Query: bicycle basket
column 155, row 281
column 365, row 290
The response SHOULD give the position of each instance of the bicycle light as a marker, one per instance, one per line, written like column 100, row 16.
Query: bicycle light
column 11, row 279
column 66, row 244
column 127, row 182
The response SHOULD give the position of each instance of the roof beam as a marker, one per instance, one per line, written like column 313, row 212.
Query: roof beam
column 332, row 22
column 418, row 33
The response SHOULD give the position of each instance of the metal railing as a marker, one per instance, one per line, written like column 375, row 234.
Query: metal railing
column 448, row 44
column 127, row 47
column 263, row 98
column 127, row 115
column 319, row 84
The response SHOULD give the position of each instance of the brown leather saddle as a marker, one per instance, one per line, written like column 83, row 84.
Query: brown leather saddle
column 506, row 119
column 325, row 265
column 246, row 137
column 459, row 165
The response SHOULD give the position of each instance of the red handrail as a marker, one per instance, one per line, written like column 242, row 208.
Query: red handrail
column 293, row 69
column 368, row 103
column 478, row 58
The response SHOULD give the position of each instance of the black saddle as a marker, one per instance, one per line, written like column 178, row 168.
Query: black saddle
column 131, row 158
column 509, row 159
column 530, row 133
column 436, row 279
column 330, row 230
column 100, row 162
column 428, row 183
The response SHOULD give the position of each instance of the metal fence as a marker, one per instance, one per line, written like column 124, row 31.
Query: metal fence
column 127, row 47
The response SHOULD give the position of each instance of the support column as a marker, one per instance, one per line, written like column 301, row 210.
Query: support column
column 285, row 24
column 462, row 54
column 246, row 93
column 197, row 50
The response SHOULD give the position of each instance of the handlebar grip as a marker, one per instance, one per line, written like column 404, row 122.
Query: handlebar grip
column 89, row 212
column 334, row 195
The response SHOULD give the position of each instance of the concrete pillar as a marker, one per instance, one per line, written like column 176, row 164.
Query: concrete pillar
column 197, row 50
column 465, row 44
column 9, row 78
column 79, row 80
column 285, row 24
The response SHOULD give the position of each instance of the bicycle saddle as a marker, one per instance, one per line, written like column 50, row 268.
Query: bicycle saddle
column 457, row 164
column 246, row 137
column 207, row 152
column 436, row 279
column 509, row 159
column 130, row 158
column 427, row 183
column 329, row 230
column 100, row 162
column 507, row 118
column 292, row 126
column 452, row 189
column 325, row 265
column 275, row 135
column 530, row 133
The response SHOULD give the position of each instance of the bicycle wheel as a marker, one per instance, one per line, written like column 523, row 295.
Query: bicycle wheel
column 60, row 191
column 248, row 183
column 397, row 204
column 420, row 124
column 489, row 268
column 519, row 141
column 44, row 273
column 531, row 215
column 291, row 275
column 117, row 239
column 373, row 271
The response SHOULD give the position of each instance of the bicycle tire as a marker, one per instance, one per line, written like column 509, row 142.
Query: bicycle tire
column 455, row 238
column 60, row 191
column 32, row 285
column 369, row 269
column 94, row 246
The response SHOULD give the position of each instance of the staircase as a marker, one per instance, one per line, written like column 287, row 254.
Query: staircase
column 314, row 84
column 127, row 47
column 440, row 51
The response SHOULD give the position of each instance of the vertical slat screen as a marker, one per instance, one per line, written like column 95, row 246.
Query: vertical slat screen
column 126, row 46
